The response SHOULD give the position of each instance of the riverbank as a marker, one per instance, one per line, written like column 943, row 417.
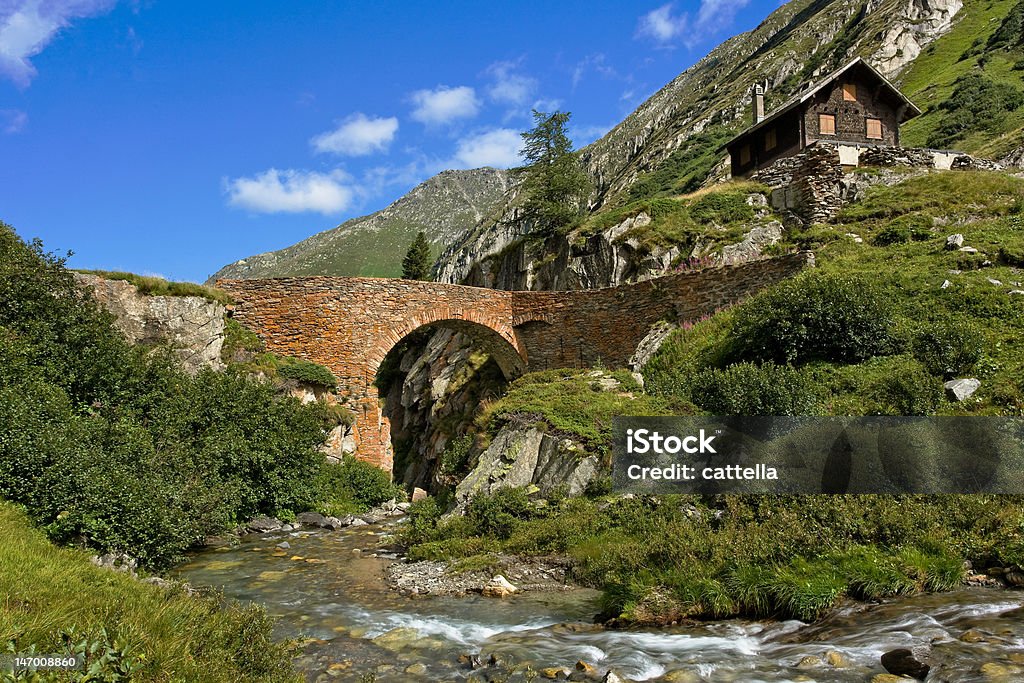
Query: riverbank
column 669, row 559
column 55, row 600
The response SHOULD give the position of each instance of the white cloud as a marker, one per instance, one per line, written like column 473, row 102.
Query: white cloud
column 13, row 120
column 499, row 148
column 667, row 28
column 718, row 14
column 358, row 135
column 291, row 191
column 28, row 26
column 444, row 104
column 509, row 87
column 661, row 25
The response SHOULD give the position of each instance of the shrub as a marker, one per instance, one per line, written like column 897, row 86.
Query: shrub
column 238, row 340
column 916, row 227
column 813, row 317
column 354, row 486
column 499, row 513
column 907, row 389
column 308, row 372
column 976, row 103
column 455, row 458
column 949, row 347
column 748, row 389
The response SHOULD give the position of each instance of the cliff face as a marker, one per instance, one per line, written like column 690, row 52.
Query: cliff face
column 444, row 207
column 194, row 326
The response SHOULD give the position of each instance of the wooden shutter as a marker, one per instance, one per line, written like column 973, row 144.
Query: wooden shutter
column 850, row 92
column 826, row 124
column 874, row 129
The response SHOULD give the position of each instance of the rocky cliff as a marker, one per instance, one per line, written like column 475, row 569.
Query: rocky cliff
column 444, row 207
column 193, row 326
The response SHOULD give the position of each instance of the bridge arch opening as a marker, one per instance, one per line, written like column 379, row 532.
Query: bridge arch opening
column 431, row 383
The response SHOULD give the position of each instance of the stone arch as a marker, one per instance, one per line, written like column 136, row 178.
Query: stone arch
column 493, row 334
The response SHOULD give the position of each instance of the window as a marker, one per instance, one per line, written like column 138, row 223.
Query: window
column 850, row 92
column 827, row 124
column 745, row 155
column 874, row 129
column 769, row 140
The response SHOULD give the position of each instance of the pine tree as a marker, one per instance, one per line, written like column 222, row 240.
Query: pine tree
column 554, row 182
column 416, row 264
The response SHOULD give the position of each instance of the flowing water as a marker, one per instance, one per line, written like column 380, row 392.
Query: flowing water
column 328, row 587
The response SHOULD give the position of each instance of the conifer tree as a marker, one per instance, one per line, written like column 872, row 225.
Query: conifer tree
column 554, row 182
column 416, row 264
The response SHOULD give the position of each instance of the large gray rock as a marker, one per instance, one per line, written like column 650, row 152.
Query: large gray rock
column 194, row 326
column 961, row 389
column 521, row 455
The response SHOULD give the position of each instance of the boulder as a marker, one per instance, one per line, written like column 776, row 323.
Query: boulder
column 499, row 587
column 954, row 242
column 263, row 524
column 961, row 389
column 418, row 494
column 314, row 519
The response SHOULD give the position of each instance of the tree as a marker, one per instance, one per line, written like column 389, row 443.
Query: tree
column 554, row 183
column 416, row 264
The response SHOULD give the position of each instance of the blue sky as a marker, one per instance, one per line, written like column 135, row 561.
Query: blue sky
column 173, row 137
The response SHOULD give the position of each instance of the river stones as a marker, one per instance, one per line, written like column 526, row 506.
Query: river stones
column 902, row 662
column 837, row 660
column 554, row 673
column 888, row 678
column 586, row 668
column 261, row 525
column 809, row 662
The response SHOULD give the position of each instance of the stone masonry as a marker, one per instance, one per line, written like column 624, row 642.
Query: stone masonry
column 350, row 324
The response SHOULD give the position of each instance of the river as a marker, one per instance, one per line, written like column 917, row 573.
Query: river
column 328, row 587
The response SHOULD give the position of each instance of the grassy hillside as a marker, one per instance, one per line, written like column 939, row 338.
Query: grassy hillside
column 56, row 601
column 872, row 330
column 443, row 207
column 984, row 42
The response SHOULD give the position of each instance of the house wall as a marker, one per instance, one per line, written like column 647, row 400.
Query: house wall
column 851, row 117
column 787, row 143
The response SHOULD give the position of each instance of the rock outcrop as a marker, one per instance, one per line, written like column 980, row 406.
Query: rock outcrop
column 192, row 325
column 521, row 455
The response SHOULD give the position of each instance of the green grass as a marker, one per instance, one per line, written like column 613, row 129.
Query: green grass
column 570, row 402
column 663, row 559
column 47, row 593
column 156, row 286
column 930, row 79
column 720, row 215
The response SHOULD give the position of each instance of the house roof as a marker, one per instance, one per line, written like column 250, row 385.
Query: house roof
column 800, row 98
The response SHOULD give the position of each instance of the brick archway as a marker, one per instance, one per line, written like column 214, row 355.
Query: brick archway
column 350, row 324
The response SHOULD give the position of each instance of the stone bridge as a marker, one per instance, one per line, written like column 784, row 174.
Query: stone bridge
column 350, row 324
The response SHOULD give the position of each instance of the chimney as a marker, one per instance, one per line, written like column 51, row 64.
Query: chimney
column 758, row 103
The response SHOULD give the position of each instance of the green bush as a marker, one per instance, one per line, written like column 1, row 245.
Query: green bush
column 354, row 486
column 907, row 389
column 501, row 512
column 238, row 340
column 813, row 317
column 308, row 372
column 748, row 389
column 916, row 227
column 455, row 458
column 949, row 347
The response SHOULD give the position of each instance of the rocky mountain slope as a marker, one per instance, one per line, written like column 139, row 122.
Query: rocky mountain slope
column 444, row 207
column 669, row 145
